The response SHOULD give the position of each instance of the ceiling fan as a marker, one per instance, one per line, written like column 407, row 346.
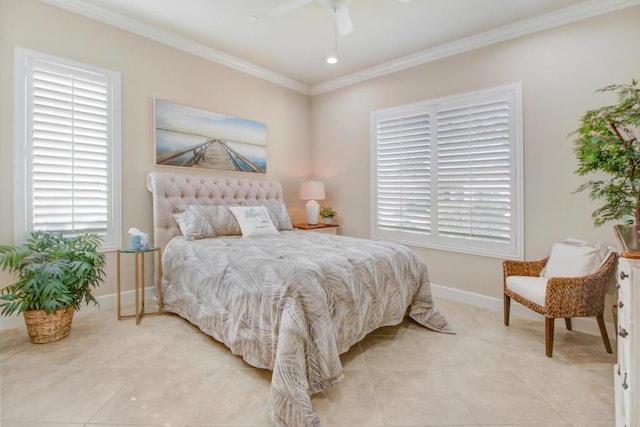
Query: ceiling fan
column 341, row 8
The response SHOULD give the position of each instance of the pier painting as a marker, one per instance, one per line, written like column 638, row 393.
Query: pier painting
column 194, row 138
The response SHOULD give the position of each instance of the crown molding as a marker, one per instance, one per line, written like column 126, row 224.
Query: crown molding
column 128, row 24
column 518, row 29
column 540, row 23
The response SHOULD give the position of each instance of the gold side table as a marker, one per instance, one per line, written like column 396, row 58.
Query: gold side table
column 139, row 282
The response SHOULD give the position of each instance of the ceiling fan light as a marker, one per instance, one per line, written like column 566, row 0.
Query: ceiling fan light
column 332, row 60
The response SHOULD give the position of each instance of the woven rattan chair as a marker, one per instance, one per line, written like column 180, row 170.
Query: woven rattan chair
column 565, row 297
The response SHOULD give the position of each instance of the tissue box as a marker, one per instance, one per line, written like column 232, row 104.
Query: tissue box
column 138, row 240
column 135, row 241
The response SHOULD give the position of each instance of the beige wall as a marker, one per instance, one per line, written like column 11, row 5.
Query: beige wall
column 148, row 70
column 329, row 133
column 559, row 70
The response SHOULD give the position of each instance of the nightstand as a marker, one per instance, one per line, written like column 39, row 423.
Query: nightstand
column 320, row 228
column 139, row 259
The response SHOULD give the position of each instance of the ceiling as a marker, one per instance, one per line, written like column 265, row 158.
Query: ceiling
column 291, row 49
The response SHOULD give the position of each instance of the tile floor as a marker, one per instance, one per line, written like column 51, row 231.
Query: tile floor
column 166, row 373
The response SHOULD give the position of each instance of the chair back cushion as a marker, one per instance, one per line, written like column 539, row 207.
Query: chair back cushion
column 531, row 288
column 574, row 258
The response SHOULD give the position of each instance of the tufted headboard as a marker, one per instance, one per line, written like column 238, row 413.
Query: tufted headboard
column 170, row 190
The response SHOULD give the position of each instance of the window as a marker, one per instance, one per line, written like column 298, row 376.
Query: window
column 67, row 148
column 447, row 173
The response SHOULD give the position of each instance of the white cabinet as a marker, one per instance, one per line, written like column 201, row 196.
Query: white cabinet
column 626, row 371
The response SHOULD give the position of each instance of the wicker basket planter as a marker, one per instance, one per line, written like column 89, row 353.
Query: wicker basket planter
column 53, row 271
column 44, row 328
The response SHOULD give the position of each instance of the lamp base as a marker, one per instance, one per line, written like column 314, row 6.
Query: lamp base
column 313, row 210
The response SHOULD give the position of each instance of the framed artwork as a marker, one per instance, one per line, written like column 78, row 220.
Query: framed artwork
column 194, row 138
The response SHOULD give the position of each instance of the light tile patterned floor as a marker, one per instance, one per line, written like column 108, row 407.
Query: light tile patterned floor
column 167, row 373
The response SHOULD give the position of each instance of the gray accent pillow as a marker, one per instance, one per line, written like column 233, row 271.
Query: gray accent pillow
column 279, row 215
column 219, row 218
column 194, row 224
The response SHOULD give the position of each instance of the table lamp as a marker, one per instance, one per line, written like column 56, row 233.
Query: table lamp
column 312, row 191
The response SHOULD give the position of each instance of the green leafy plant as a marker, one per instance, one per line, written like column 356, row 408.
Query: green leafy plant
column 608, row 142
column 327, row 212
column 53, row 272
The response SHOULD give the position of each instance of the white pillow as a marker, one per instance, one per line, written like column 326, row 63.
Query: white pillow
column 254, row 221
column 574, row 258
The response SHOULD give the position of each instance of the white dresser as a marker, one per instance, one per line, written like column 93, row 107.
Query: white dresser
column 626, row 371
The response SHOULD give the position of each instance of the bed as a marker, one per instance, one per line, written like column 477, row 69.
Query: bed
column 291, row 302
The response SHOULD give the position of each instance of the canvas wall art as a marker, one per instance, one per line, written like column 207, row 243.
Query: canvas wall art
column 194, row 138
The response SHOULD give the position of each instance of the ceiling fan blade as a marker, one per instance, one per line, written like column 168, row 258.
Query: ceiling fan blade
column 343, row 20
column 287, row 7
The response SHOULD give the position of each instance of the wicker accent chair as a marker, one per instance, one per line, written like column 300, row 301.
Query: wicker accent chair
column 564, row 297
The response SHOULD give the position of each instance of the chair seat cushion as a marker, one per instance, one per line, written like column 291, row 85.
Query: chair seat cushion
column 532, row 288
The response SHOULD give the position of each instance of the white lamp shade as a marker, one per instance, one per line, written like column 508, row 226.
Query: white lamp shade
column 312, row 190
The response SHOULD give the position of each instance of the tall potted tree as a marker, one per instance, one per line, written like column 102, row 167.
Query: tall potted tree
column 55, row 275
column 608, row 143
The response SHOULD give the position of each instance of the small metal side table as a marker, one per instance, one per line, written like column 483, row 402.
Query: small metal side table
column 139, row 283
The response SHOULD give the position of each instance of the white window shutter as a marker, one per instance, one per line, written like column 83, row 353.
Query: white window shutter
column 404, row 173
column 70, row 146
column 446, row 173
column 474, row 174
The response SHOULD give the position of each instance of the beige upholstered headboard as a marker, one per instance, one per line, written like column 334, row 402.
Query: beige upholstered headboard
column 170, row 190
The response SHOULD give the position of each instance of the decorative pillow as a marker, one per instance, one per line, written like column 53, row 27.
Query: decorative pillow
column 220, row 218
column 195, row 224
column 181, row 220
column 279, row 215
column 254, row 221
column 574, row 258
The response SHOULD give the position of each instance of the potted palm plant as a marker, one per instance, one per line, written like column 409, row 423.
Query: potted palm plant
column 327, row 214
column 55, row 275
column 608, row 144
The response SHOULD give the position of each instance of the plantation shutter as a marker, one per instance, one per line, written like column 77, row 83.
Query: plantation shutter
column 474, row 175
column 68, row 147
column 446, row 173
column 404, row 173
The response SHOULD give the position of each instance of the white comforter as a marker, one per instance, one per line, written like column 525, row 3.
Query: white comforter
column 293, row 302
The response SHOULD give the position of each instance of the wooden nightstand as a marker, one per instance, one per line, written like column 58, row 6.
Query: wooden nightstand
column 320, row 228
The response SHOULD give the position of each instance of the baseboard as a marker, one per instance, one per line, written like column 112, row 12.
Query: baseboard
column 580, row 324
column 585, row 325
column 105, row 302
